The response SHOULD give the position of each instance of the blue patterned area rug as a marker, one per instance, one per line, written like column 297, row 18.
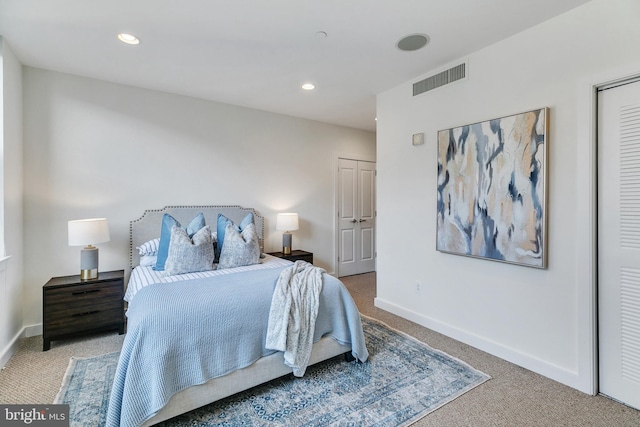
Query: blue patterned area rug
column 402, row 381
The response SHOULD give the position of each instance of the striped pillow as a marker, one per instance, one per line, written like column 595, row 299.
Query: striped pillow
column 149, row 248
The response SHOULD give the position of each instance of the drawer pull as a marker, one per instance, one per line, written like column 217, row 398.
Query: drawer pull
column 85, row 292
column 85, row 313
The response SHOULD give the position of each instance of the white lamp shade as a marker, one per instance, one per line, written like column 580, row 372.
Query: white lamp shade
column 83, row 232
column 287, row 221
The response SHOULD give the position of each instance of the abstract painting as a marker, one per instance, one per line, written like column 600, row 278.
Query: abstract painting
column 492, row 189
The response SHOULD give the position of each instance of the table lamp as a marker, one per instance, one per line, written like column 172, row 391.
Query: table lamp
column 88, row 232
column 286, row 222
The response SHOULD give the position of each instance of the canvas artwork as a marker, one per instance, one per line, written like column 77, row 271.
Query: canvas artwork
column 492, row 189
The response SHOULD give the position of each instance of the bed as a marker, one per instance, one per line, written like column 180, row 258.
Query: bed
column 198, row 337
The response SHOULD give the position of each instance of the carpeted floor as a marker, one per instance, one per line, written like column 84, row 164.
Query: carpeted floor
column 402, row 381
column 513, row 397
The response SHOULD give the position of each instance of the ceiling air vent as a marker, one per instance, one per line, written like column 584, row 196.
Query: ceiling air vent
column 444, row 78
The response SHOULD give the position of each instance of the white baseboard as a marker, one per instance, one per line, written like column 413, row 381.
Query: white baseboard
column 33, row 330
column 526, row 361
column 11, row 348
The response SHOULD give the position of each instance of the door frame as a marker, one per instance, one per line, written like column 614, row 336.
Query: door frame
column 336, row 201
column 587, row 225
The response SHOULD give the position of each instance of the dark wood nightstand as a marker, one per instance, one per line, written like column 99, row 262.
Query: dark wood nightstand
column 73, row 307
column 295, row 256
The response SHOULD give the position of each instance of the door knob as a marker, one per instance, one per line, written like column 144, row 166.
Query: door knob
column 363, row 220
column 354, row 220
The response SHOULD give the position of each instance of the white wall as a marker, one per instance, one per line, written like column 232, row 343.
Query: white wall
column 100, row 149
column 529, row 316
column 11, row 291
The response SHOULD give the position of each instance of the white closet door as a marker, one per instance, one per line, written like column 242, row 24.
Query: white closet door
column 367, row 220
column 356, row 217
column 619, row 243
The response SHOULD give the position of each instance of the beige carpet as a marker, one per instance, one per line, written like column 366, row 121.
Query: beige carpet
column 513, row 397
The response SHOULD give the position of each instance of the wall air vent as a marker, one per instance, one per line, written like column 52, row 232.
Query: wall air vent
column 444, row 78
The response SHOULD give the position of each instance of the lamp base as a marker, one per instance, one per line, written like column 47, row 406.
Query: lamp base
column 286, row 243
column 89, row 274
column 89, row 263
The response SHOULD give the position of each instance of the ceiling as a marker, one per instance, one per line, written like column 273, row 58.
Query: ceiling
column 257, row 53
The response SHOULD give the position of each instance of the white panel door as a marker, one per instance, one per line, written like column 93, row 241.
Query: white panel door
column 367, row 215
column 619, row 243
column 356, row 217
column 347, row 217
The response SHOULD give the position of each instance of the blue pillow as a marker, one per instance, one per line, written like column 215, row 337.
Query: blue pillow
column 222, row 225
column 165, row 235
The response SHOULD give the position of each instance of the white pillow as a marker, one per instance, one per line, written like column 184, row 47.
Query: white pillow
column 148, row 260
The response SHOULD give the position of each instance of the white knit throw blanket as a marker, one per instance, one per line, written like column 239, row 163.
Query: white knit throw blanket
column 292, row 317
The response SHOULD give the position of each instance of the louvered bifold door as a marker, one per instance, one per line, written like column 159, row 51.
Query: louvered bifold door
column 619, row 242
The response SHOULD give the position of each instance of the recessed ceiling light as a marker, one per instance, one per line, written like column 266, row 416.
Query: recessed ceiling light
column 413, row 42
column 128, row 38
column 308, row 86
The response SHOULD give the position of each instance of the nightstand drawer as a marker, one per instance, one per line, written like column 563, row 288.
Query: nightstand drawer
column 77, row 321
column 72, row 313
column 82, row 295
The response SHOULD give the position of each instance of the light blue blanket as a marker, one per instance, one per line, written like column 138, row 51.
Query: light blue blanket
column 185, row 333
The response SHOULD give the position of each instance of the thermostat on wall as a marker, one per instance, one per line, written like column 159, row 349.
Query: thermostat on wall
column 418, row 139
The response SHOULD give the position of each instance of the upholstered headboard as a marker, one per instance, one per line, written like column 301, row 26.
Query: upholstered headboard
column 147, row 227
